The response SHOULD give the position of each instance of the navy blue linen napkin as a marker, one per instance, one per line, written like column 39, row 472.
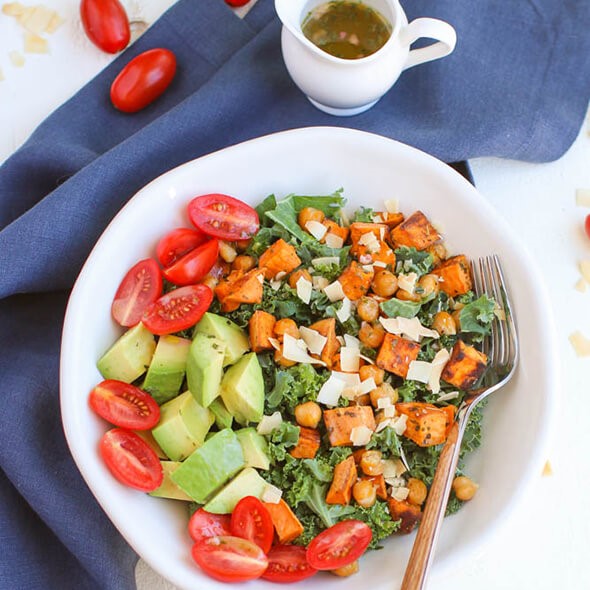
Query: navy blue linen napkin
column 517, row 86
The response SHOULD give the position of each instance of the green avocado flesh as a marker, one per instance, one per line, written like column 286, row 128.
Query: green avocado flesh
column 168, row 489
column 223, row 419
column 204, row 367
column 235, row 339
column 254, row 447
column 246, row 483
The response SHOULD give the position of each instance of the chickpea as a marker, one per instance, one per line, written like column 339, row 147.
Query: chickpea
column 418, row 491
column 309, row 214
column 368, row 309
column 295, row 276
column 371, row 335
column 346, row 570
column 438, row 253
column 364, row 493
column 281, row 360
column 308, row 414
column 371, row 463
column 368, row 371
column 464, row 488
column 383, row 391
column 407, row 296
column 384, row 283
column 456, row 315
column 286, row 326
column 243, row 263
column 443, row 323
column 428, row 285
column 362, row 400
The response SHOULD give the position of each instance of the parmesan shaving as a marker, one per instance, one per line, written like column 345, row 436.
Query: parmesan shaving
column 275, row 284
column 1, row 75
column 35, row 44
column 360, row 435
column 17, row 59
column 419, row 371
column 13, row 9
column 379, row 264
column 583, row 197
column 389, row 412
column 334, row 291
column 296, row 350
column 392, row 205
column 393, row 468
column 412, row 328
column 377, row 218
column 399, row 424
column 384, row 402
column 349, row 359
column 445, row 397
column 345, row 310
column 350, row 379
column 37, row 20
column 352, row 341
column 304, row 288
column 382, row 425
column 580, row 343
column 319, row 283
column 438, row 364
column 316, row 229
column 400, row 493
column 367, row 385
column 325, row 260
column 313, row 339
column 54, row 24
column 275, row 343
column 581, row 285
column 271, row 494
column 331, row 390
column 407, row 282
column 334, row 241
column 585, row 269
column 269, row 423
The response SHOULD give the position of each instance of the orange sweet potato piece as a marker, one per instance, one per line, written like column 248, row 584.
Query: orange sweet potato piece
column 307, row 445
column 407, row 513
column 342, row 482
column 391, row 220
column 286, row 524
column 455, row 275
column 396, row 354
column 450, row 411
column 280, row 257
column 465, row 366
column 427, row 424
column 335, row 229
column 327, row 328
column 260, row 329
column 385, row 254
column 355, row 280
column 340, row 422
column 416, row 231
column 379, row 482
column 239, row 288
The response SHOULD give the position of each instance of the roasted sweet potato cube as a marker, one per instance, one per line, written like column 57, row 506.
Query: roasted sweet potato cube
column 415, row 232
column 260, row 329
column 361, row 251
column 359, row 228
column 379, row 482
column 454, row 275
column 392, row 220
column 344, row 478
column 396, row 354
column 407, row 513
column 286, row 524
column 239, row 288
column 280, row 257
column 327, row 328
column 450, row 411
column 336, row 230
column 340, row 422
column 427, row 424
column 465, row 366
column 355, row 280
column 307, row 445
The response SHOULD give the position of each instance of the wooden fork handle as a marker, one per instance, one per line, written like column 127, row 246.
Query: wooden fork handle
column 424, row 544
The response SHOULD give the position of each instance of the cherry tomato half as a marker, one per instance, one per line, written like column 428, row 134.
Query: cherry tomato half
column 131, row 460
column 251, row 520
column 125, row 405
column 339, row 545
column 178, row 310
column 143, row 80
column 288, row 563
column 230, row 559
column 223, row 217
column 140, row 287
column 106, row 24
column 587, row 225
column 192, row 267
column 175, row 244
column 236, row 3
column 204, row 525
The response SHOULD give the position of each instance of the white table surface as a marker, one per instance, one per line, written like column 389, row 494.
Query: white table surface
column 545, row 545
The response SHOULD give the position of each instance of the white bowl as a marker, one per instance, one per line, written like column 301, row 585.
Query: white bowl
column 318, row 161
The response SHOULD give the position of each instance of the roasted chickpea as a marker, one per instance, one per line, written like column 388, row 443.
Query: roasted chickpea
column 362, row 400
column 308, row 414
column 427, row 285
column 368, row 309
column 443, row 323
column 364, row 493
column 226, row 251
column 286, row 326
column 417, row 491
column 438, row 253
column 464, row 488
column 384, row 283
column 309, row 214
column 243, row 263
column 296, row 275
column 371, row 463
column 371, row 335
column 242, row 245
column 346, row 570
column 407, row 296
column 368, row 371
column 383, row 391
column 456, row 315
column 281, row 360
column 380, row 417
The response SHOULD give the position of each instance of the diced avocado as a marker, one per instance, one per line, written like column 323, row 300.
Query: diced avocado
column 166, row 372
column 236, row 340
column 246, row 483
column 204, row 367
column 223, row 419
column 129, row 357
column 242, row 390
column 210, row 466
column 168, row 489
column 182, row 427
column 148, row 437
column 254, row 447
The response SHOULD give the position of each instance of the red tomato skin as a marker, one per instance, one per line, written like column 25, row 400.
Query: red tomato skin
column 140, row 287
column 288, row 563
column 587, row 225
column 230, row 559
column 143, row 80
column 193, row 267
column 204, row 525
column 175, row 244
column 339, row 545
column 251, row 520
column 122, row 450
column 106, row 24
column 223, row 217
column 124, row 405
column 236, row 3
column 178, row 310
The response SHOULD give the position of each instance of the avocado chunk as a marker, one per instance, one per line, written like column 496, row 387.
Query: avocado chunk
column 204, row 367
column 130, row 356
column 148, row 437
column 223, row 419
column 166, row 371
column 236, row 340
column 242, row 390
column 246, row 483
column 168, row 489
column 254, row 447
column 210, row 466
column 182, row 427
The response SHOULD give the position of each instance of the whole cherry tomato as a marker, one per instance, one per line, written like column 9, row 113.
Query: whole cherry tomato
column 236, row 3
column 143, row 80
column 106, row 24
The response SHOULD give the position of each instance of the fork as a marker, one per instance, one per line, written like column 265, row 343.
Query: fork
column 501, row 348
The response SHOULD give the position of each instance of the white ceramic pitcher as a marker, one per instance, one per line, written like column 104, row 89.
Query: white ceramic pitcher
column 346, row 87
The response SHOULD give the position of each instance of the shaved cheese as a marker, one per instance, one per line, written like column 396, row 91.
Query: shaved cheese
column 35, row 44
column 304, row 288
column 367, row 385
column 368, row 268
column 316, row 229
column 345, row 310
column 275, row 284
column 17, row 59
column 399, row 424
column 377, row 218
column 334, row 241
column 389, row 412
column 334, row 291
column 383, row 425
column 391, row 205
column 581, row 285
column 226, row 251
column 438, row 364
column 419, row 371
column 547, row 469
column 445, row 397
column 412, row 328
column 350, row 379
column 585, row 269
column 280, row 275
column 367, row 238
column 384, row 402
column 331, row 390
column 271, row 494
column 360, row 435
column 325, row 260
column 393, row 468
column 313, row 339
column 296, row 350
column 407, row 282
column 54, row 24
column 341, row 340
column 269, row 423
column 368, row 359
column 583, row 197
column 13, row 9
column 38, row 19
column 1, row 75
column 275, row 343
column 344, row 219
column 580, row 343
column 400, row 493
column 349, row 359
column 319, row 283
column 380, row 264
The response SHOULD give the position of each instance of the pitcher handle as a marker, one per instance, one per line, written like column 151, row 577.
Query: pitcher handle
column 433, row 28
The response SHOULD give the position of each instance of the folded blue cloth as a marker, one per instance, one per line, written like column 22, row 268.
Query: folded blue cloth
column 517, row 86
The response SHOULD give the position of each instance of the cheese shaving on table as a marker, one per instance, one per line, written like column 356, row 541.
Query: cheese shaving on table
column 271, row 494
column 334, row 241
column 304, row 288
column 35, row 44
column 585, row 269
column 269, row 423
column 581, row 285
column 583, row 197
column 296, row 350
column 391, row 205
column 407, row 282
column 17, row 59
column 412, row 328
column 360, row 435
column 580, row 343
column 316, row 229
column 313, row 339
column 334, row 291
